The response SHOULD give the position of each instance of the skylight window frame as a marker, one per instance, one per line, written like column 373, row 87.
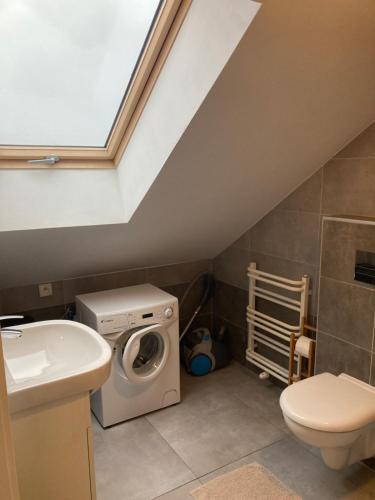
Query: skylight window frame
column 160, row 40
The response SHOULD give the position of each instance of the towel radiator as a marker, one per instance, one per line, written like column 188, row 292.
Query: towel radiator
column 278, row 337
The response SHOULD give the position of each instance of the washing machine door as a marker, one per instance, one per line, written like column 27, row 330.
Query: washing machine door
column 145, row 353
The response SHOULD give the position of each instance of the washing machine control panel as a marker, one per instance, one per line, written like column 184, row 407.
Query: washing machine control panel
column 159, row 315
column 168, row 312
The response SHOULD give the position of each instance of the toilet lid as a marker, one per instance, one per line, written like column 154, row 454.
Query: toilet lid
column 329, row 403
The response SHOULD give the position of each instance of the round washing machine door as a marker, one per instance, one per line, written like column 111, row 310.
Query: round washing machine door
column 145, row 353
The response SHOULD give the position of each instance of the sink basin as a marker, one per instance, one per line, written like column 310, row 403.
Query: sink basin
column 53, row 360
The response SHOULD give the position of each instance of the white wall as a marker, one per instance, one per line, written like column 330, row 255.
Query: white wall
column 299, row 86
column 206, row 40
column 38, row 199
column 58, row 198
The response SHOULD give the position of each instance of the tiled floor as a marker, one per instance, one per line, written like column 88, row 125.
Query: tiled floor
column 225, row 420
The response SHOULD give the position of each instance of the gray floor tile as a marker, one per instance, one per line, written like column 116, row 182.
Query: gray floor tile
column 312, row 449
column 212, row 427
column 181, row 493
column 202, row 396
column 208, row 443
column 227, row 379
column 223, row 417
column 133, row 462
column 307, row 475
column 248, row 459
column 262, row 397
column 232, row 376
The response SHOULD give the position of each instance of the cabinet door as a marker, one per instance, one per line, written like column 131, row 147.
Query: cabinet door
column 52, row 454
column 8, row 474
column 90, row 447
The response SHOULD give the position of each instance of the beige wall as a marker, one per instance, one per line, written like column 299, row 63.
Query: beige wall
column 287, row 242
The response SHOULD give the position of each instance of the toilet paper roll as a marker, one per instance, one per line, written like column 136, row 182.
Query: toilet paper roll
column 303, row 346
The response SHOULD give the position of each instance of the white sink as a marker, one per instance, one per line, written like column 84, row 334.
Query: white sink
column 53, row 360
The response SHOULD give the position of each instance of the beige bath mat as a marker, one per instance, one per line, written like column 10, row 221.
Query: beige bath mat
column 248, row 482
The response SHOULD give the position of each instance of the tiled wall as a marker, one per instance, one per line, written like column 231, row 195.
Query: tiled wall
column 287, row 242
column 284, row 242
column 346, row 319
column 173, row 278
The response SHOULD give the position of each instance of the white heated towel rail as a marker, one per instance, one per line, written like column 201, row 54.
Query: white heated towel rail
column 276, row 335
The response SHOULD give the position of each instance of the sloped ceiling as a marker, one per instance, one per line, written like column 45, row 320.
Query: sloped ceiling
column 51, row 198
column 300, row 85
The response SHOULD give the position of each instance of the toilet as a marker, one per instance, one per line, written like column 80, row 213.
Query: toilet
column 333, row 413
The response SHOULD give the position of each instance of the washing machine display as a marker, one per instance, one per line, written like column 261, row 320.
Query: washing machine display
column 141, row 325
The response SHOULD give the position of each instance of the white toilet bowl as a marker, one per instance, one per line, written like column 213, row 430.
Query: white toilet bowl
column 335, row 414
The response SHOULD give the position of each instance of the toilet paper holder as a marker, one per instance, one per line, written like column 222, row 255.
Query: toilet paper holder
column 303, row 346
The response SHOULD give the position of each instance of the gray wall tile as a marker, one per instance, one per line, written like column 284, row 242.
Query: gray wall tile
column 290, row 269
column 46, row 313
column 276, row 311
column 372, row 379
column 362, row 147
column 243, row 242
column 201, row 321
column 130, row 277
column 288, row 234
column 341, row 240
column 159, row 276
column 287, row 242
column 230, row 303
column 230, row 311
column 284, row 267
column 176, row 273
column 336, row 356
column 235, row 338
column 231, row 266
column 347, row 312
column 192, row 299
column 26, row 298
column 87, row 284
column 349, row 187
column 307, row 197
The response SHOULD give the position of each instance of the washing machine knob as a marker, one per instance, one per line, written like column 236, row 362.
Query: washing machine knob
column 168, row 312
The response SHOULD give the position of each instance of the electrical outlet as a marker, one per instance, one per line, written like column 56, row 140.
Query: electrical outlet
column 45, row 289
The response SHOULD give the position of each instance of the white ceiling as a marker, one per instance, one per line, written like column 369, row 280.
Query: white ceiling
column 300, row 85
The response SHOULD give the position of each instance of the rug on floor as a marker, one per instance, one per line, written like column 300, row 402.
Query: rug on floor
column 251, row 481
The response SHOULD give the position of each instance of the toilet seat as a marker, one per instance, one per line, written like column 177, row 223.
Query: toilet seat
column 329, row 403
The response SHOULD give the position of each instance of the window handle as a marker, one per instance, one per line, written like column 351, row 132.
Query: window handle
column 48, row 160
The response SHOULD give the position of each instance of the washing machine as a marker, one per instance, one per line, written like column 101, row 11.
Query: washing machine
column 140, row 323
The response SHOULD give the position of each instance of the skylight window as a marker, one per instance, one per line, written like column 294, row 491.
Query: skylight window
column 76, row 75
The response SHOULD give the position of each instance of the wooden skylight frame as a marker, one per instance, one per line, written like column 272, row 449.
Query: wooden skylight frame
column 170, row 18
